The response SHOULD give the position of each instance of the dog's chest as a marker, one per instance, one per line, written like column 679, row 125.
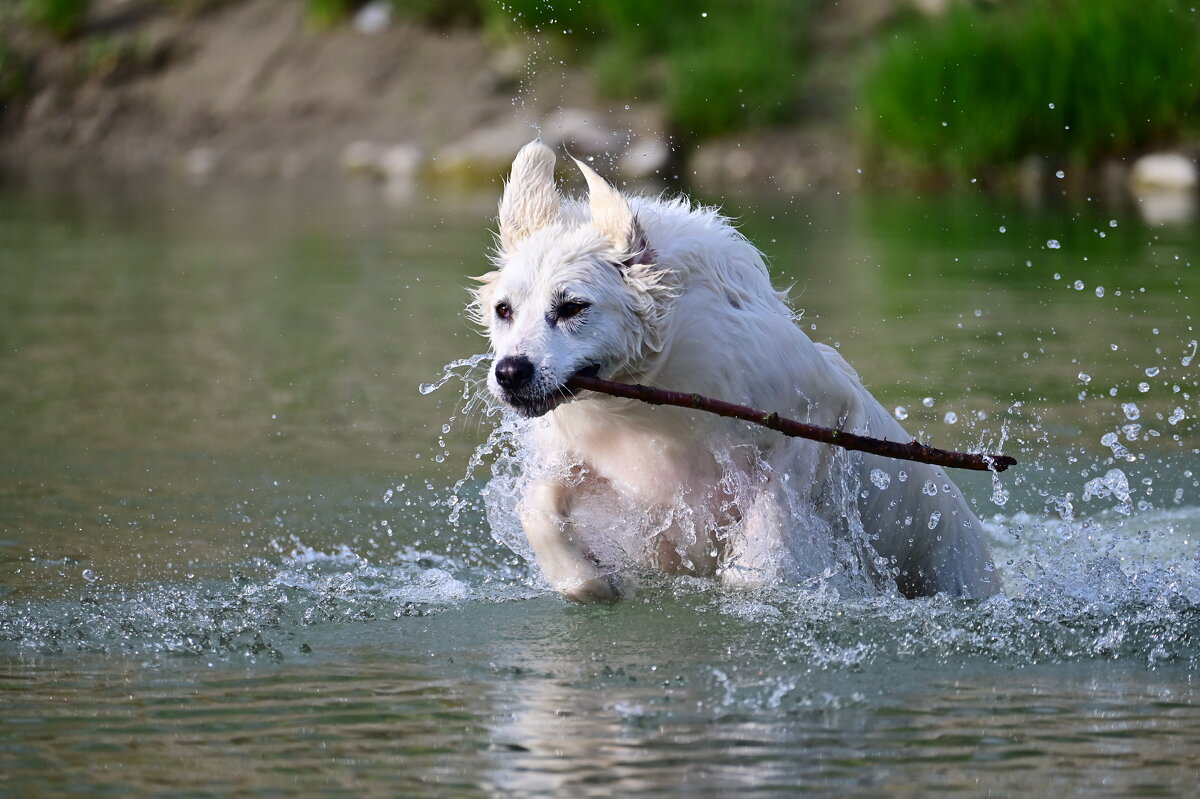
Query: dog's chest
column 649, row 463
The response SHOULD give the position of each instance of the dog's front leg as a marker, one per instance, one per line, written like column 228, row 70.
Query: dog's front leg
column 570, row 568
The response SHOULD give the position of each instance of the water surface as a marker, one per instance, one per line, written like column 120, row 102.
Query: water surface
column 238, row 554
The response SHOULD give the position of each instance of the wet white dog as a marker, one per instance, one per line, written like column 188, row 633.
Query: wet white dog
column 658, row 292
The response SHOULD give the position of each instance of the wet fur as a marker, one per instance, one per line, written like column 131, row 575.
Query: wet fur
column 676, row 297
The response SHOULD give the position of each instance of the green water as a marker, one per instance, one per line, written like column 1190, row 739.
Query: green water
column 228, row 566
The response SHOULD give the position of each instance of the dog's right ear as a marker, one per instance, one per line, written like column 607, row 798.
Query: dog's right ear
column 531, row 200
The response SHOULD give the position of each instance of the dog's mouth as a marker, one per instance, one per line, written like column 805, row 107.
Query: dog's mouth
column 531, row 407
column 588, row 371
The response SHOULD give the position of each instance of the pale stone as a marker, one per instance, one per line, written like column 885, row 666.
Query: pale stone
column 645, row 158
column 484, row 154
column 374, row 17
column 578, row 129
column 1164, row 171
column 199, row 162
column 385, row 161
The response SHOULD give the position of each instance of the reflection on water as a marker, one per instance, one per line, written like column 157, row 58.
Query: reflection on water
column 233, row 558
column 534, row 699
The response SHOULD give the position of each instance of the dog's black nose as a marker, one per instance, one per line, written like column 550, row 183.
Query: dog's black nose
column 513, row 372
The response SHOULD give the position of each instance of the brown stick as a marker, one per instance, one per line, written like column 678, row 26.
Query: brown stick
column 914, row 451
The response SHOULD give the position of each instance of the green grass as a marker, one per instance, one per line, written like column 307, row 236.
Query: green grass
column 1073, row 79
column 717, row 67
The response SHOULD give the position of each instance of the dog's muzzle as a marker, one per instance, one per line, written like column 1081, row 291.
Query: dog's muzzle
column 514, row 373
column 517, row 378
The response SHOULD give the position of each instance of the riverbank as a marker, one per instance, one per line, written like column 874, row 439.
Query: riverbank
column 250, row 88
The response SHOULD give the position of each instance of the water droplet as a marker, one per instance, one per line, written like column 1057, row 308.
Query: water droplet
column 1099, row 291
column 1131, row 411
column 1078, row 284
column 1152, row 371
column 1113, row 442
column 1053, row 244
column 1112, row 223
column 1114, row 484
column 1060, row 174
column 1051, row 106
column 934, row 518
column 1176, row 416
column 1003, row 229
column 880, row 479
column 90, row 575
column 929, row 489
column 951, row 417
column 927, row 402
column 1085, row 378
column 387, row 495
column 901, row 412
column 1143, row 387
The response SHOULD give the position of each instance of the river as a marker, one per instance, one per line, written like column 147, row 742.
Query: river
column 242, row 554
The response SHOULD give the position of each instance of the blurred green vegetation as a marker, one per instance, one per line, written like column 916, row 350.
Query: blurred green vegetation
column 12, row 75
column 63, row 18
column 327, row 13
column 1077, row 79
column 972, row 90
column 735, row 65
column 716, row 67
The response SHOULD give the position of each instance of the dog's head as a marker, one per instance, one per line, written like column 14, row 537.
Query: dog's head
column 576, row 289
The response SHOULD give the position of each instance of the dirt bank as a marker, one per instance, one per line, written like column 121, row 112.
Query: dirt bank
column 249, row 88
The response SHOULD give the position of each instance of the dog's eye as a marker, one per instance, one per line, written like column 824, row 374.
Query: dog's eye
column 571, row 308
column 504, row 310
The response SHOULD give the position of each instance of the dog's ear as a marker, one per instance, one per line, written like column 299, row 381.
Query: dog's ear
column 531, row 200
column 611, row 213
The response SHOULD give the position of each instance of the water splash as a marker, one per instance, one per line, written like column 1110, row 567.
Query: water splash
column 1114, row 483
column 461, row 369
column 1113, row 442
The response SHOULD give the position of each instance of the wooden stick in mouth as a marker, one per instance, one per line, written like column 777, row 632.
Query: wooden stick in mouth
column 913, row 451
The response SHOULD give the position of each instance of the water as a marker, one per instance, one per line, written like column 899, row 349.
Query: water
column 238, row 553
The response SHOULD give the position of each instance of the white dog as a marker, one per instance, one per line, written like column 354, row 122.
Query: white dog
column 658, row 292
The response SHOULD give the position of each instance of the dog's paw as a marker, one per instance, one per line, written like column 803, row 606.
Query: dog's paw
column 596, row 590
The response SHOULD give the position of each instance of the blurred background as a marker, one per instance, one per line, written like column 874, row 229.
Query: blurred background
column 1046, row 96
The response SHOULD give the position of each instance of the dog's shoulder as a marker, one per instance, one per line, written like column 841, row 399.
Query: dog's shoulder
column 835, row 359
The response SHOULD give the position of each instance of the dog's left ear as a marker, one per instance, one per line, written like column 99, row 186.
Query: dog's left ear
column 613, row 216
